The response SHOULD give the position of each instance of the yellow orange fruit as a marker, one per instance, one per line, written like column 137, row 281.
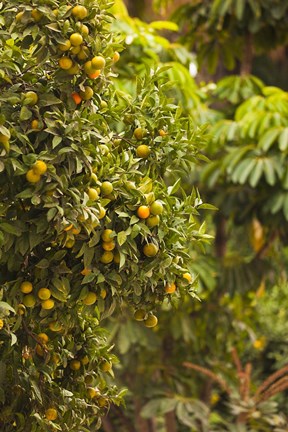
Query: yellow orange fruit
column 140, row 314
column 76, row 39
column 116, row 57
column 48, row 304
column 105, row 365
column 109, row 246
column 102, row 213
column 98, row 62
column 44, row 293
column 39, row 167
column 94, row 75
column 36, row 15
column 55, row 326
column 151, row 321
column 76, row 98
column 139, row 133
column 65, row 46
column 29, row 300
column 106, row 257
column 87, row 93
column 75, row 365
column 34, row 124
column 79, row 12
column 43, row 337
column 153, row 221
column 150, row 250
column 92, row 392
column 65, row 63
column 90, row 298
column 32, row 177
column 93, row 194
column 143, row 151
column 1, row 324
column 188, row 277
column 30, row 98
column 170, row 288
column 107, row 235
column 26, row 287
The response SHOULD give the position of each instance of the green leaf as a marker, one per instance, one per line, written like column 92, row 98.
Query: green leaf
column 164, row 25
column 257, row 173
column 269, row 138
column 25, row 113
column 10, row 229
column 121, row 237
column 7, row 307
column 173, row 189
column 283, row 140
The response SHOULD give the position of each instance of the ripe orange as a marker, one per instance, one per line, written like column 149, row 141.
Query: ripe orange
column 116, row 57
column 109, row 246
column 51, row 414
column 39, row 167
column 84, row 29
column 156, row 208
column 92, row 392
column 95, row 74
column 79, row 12
column 143, row 212
column 65, row 63
column 102, row 213
column 55, row 326
column 85, row 360
column 32, row 177
column 74, row 70
column 1, row 324
column 47, row 304
column 26, row 287
column 34, row 124
column 143, row 151
column 188, row 277
column 98, row 62
column 86, row 271
column 88, row 68
column 170, row 288
column 106, row 235
column 116, row 258
column 77, row 98
column 43, row 338
column 44, row 293
column 90, row 298
column 151, row 321
column 75, row 365
column 83, row 53
column 76, row 39
column 103, row 292
column 162, row 132
column 106, row 257
column 70, row 243
column 150, row 250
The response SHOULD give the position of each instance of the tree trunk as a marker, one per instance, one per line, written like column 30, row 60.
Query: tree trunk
column 170, row 422
column 246, row 65
column 143, row 425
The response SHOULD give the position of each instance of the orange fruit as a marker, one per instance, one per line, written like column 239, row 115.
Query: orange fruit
column 109, row 246
column 139, row 133
column 92, row 392
column 26, row 287
column 95, row 74
column 47, row 304
column 90, row 298
column 88, row 68
column 76, row 97
column 79, row 12
column 36, row 15
column 86, row 271
column 65, row 63
column 150, row 250
column 30, row 98
column 143, row 212
column 170, row 288
column 84, row 29
column 103, row 292
column 106, row 188
column 75, row 365
column 162, row 132
column 116, row 57
column 102, row 213
column 34, row 124
column 55, row 326
column 98, row 62
column 156, row 208
column 43, row 338
column 44, row 293
column 29, row 300
column 1, row 324
column 151, row 321
column 65, row 46
column 139, row 315
column 143, row 151
column 74, row 70
column 76, row 39
column 106, row 235
column 106, row 257
column 93, row 194
column 188, row 277
column 153, row 221
column 39, row 167
column 51, row 414
column 105, row 365
column 32, row 177
column 85, row 360
column 87, row 93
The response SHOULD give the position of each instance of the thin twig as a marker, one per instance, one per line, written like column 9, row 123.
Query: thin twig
column 278, row 387
column 209, row 373
column 264, row 386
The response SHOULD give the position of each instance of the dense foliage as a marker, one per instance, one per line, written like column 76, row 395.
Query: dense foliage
column 87, row 223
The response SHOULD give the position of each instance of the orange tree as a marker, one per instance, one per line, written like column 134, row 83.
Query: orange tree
column 87, row 223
